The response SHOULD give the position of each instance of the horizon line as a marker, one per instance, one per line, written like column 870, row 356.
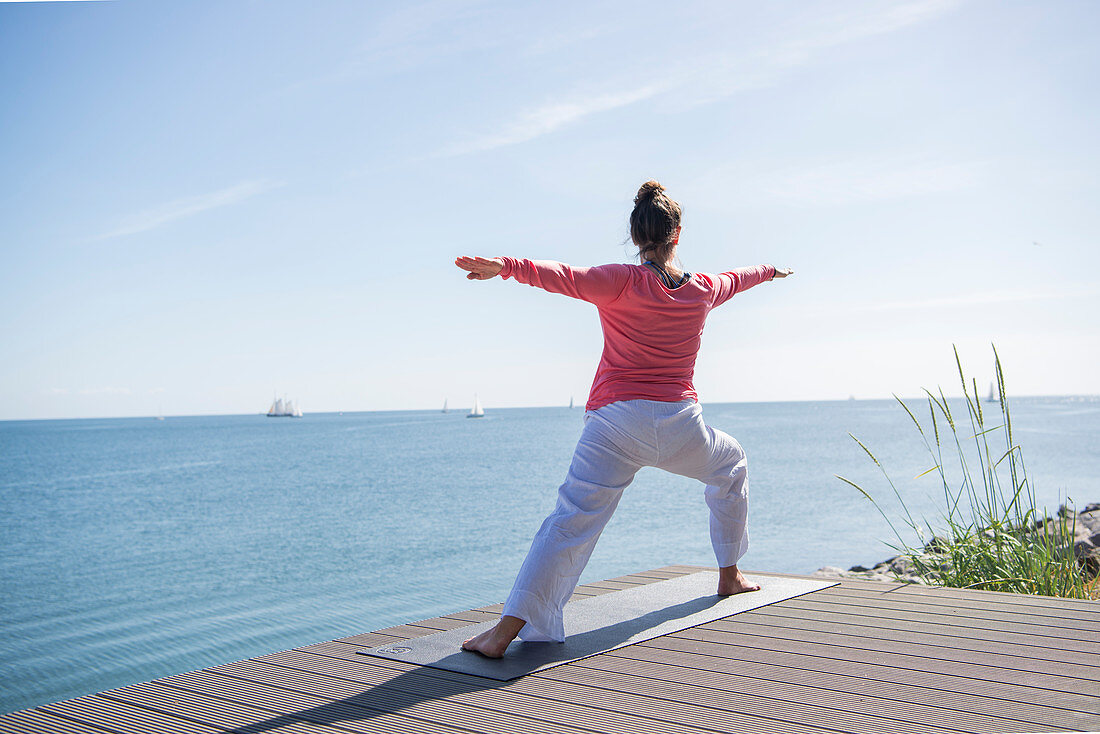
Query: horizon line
column 579, row 407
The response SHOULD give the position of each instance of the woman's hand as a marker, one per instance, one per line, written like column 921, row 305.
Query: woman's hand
column 782, row 273
column 480, row 268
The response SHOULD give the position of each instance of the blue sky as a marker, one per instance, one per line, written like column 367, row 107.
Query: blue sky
column 206, row 202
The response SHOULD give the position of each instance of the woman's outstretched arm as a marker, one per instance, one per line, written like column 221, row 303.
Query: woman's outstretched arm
column 741, row 279
column 596, row 285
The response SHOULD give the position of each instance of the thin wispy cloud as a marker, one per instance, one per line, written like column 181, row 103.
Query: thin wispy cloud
column 554, row 116
column 856, row 24
column 187, row 207
column 707, row 78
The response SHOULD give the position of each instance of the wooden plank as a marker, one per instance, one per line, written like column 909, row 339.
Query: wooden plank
column 491, row 608
column 370, row 639
column 889, row 609
column 33, row 721
column 473, row 616
column 919, row 625
column 822, row 688
column 681, row 703
column 946, row 592
column 844, row 711
column 231, row 713
column 530, row 696
column 737, row 645
column 380, row 700
column 1050, row 610
column 929, row 633
column 691, row 654
column 476, row 699
column 117, row 716
column 600, row 709
column 905, row 653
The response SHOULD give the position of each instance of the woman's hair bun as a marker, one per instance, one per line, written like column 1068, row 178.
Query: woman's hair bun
column 649, row 189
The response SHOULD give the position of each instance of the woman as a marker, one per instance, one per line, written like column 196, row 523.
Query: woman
column 642, row 411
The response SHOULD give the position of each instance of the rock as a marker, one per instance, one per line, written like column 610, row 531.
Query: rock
column 937, row 544
column 879, row 573
column 1090, row 518
column 902, row 566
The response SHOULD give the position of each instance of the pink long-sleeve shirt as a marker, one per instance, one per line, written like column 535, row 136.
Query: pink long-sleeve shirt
column 651, row 334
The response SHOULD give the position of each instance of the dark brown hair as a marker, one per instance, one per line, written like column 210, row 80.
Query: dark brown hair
column 653, row 222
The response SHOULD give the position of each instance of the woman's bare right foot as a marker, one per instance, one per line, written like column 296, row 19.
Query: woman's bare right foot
column 493, row 642
column 731, row 581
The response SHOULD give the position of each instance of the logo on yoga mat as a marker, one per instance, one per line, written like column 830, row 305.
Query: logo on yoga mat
column 394, row 650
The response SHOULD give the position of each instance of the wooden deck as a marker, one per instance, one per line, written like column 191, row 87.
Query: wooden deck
column 858, row 657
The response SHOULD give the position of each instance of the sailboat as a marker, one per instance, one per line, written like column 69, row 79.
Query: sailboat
column 476, row 411
column 283, row 408
column 571, row 402
column 444, row 406
column 993, row 397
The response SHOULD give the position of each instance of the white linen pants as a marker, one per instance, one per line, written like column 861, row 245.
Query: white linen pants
column 618, row 440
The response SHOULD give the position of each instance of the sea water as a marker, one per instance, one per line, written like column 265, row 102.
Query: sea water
column 137, row 548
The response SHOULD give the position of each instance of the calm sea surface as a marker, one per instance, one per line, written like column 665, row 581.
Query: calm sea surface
column 135, row 548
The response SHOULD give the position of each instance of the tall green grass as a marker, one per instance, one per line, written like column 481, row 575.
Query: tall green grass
column 992, row 536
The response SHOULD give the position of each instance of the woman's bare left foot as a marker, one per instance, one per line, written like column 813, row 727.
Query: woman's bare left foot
column 493, row 642
column 731, row 581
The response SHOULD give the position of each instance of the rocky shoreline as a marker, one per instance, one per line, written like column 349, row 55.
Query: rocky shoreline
column 1086, row 547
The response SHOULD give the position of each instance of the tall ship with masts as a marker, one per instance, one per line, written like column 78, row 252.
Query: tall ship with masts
column 284, row 408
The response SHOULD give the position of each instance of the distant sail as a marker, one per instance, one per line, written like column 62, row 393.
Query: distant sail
column 444, row 406
column 284, row 408
column 570, row 402
column 476, row 411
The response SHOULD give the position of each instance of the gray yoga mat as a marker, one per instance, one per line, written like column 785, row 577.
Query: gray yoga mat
column 600, row 623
